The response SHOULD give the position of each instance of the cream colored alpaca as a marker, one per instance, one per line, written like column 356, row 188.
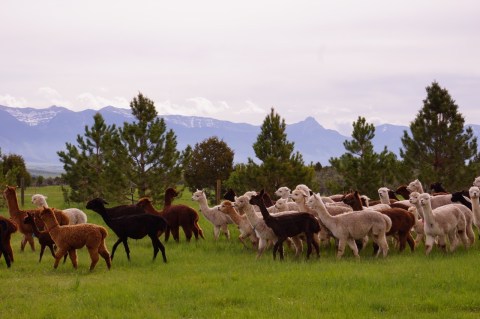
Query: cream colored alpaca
column 265, row 234
column 244, row 226
column 69, row 238
column 442, row 222
column 283, row 192
column 437, row 201
column 476, row 182
column 75, row 215
column 474, row 193
column 352, row 226
column 219, row 220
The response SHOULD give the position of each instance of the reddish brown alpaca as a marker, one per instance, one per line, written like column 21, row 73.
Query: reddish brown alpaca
column 7, row 229
column 176, row 216
column 18, row 216
column 402, row 221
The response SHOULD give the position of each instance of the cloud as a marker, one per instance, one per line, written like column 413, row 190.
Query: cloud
column 251, row 108
column 89, row 100
column 8, row 100
column 198, row 106
column 53, row 97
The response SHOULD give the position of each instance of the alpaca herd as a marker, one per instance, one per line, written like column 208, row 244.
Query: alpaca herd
column 298, row 217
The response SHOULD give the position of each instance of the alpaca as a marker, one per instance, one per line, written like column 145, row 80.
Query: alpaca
column 403, row 191
column 437, row 189
column 462, row 197
column 289, row 225
column 436, row 201
column 131, row 225
column 244, row 226
column 44, row 237
column 386, row 195
column 18, row 216
column 265, row 234
column 415, row 186
column 283, row 192
column 474, row 193
column 219, row 220
column 230, row 195
column 418, row 227
column 7, row 228
column 402, row 221
column 354, row 199
column 75, row 215
column 442, row 222
column 353, row 226
column 69, row 238
column 176, row 216
column 476, row 181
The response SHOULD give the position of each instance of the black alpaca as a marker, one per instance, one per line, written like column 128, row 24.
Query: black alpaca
column 3, row 250
column 289, row 225
column 459, row 197
column 131, row 225
column 44, row 237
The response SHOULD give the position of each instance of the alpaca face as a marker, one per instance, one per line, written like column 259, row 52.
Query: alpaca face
column 414, row 186
column 281, row 204
column 241, row 201
column 313, row 201
column 198, row 195
column 414, row 198
column 424, row 199
column 225, row 206
column 383, row 192
column 476, row 182
column 298, row 195
column 474, row 192
column 283, row 192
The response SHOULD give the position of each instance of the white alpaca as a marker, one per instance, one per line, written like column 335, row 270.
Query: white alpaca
column 355, row 225
column 415, row 186
column 75, row 215
column 442, row 222
column 244, row 226
column 218, row 219
column 474, row 193
column 283, row 192
column 476, row 182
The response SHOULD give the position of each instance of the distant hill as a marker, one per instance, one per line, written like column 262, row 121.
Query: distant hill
column 37, row 134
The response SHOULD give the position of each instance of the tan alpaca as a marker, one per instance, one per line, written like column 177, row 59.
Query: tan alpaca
column 69, row 238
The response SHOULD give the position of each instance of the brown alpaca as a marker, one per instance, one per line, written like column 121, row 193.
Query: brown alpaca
column 7, row 228
column 176, row 216
column 69, row 238
column 43, row 236
column 18, row 216
column 402, row 221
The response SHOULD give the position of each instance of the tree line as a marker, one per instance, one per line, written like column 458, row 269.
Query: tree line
column 142, row 157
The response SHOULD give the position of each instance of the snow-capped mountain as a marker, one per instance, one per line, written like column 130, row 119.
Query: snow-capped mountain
column 37, row 134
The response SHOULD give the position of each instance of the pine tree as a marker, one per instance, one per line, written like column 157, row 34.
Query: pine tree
column 155, row 161
column 279, row 165
column 95, row 166
column 361, row 167
column 439, row 148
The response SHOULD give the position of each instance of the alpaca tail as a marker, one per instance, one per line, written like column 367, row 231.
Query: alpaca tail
column 103, row 232
column 200, row 230
column 388, row 222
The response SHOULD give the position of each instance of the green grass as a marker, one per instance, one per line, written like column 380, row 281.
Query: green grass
column 208, row 279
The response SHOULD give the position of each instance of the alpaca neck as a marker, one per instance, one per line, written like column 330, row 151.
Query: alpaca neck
column 12, row 203
column 35, row 230
column 252, row 216
column 302, row 206
column 476, row 208
column 203, row 203
column 323, row 214
column 357, row 204
column 168, row 201
column 427, row 212
column 385, row 200
column 234, row 215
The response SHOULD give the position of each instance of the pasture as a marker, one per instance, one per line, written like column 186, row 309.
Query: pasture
column 222, row 279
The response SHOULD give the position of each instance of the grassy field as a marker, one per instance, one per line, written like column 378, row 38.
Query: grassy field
column 208, row 279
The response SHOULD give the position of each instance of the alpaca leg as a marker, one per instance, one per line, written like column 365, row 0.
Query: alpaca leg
column 309, row 244
column 410, row 241
column 115, row 247
column 316, row 244
column 93, row 251
column 429, row 241
column 162, row 249
column 102, row 250
column 464, row 237
column 383, row 243
column 353, row 246
column 127, row 249
column 341, row 248
column 58, row 255
column 8, row 250
column 188, row 231
column 225, row 230
column 453, row 239
column 200, row 230
column 216, row 232
column 176, row 233
column 275, row 248
column 261, row 247
column 167, row 234
column 73, row 257
column 31, row 242
column 402, row 239
column 42, row 249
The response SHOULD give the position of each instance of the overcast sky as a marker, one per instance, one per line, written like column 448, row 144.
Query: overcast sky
column 234, row 60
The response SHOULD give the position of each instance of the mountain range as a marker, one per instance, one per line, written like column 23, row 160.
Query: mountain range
column 37, row 134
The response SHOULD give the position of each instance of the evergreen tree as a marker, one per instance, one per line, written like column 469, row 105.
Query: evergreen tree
column 439, row 148
column 279, row 165
column 155, row 161
column 14, row 170
column 95, row 166
column 210, row 160
column 361, row 167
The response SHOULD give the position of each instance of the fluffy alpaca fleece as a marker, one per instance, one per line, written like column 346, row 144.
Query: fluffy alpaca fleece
column 476, row 182
column 219, row 220
column 244, row 226
column 474, row 193
column 353, row 226
column 442, row 222
column 69, row 238
column 75, row 215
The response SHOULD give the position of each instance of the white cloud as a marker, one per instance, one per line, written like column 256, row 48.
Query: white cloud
column 8, row 100
column 251, row 108
column 91, row 101
column 53, row 97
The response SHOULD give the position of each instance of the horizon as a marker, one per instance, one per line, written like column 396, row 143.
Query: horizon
column 333, row 61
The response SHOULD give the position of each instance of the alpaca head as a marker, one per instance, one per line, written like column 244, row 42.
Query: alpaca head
column 305, row 188
column 46, row 215
column 415, row 186
column 257, row 199
column 474, row 192
column 283, row 192
column 199, row 194
column 96, row 204
column 414, row 198
column 241, row 201
column 299, row 195
column 476, row 182
column 144, row 202
column 225, row 206
column 383, row 192
column 424, row 199
column 29, row 218
column 170, row 193
column 39, row 200
column 314, row 200
column 281, row 205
